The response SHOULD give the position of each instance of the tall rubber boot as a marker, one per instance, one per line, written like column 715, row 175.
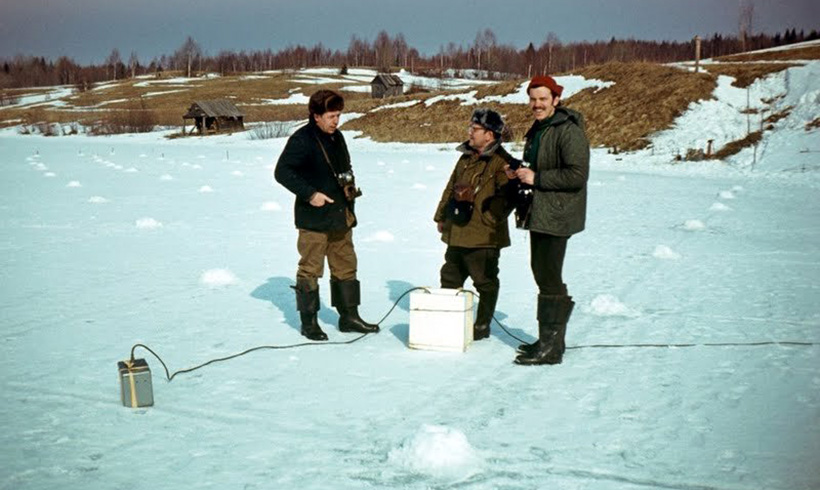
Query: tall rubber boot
column 345, row 297
column 530, row 348
column 553, row 315
column 484, row 314
column 307, row 302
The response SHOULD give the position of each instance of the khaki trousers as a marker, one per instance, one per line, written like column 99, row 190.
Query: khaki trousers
column 314, row 246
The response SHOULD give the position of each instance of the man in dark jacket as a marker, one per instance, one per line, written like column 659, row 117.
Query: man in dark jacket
column 472, row 215
column 557, row 151
column 315, row 166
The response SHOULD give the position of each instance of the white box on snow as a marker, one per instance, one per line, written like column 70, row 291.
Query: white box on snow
column 441, row 319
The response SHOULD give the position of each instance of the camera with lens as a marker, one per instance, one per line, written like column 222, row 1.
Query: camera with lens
column 347, row 181
column 522, row 194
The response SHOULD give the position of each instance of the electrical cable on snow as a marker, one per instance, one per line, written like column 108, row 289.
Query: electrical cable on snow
column 267, row 347
column 170, row 376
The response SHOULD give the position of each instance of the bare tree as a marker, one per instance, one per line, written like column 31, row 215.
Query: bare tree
column 384, row 50
column 400, row 50
column 552, row 43
column 113, row 61
column 188, row 53
column 133, row 63
column 746, row 16
column 484, row 44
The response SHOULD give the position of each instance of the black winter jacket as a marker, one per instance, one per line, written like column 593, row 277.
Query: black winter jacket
column 303, row 169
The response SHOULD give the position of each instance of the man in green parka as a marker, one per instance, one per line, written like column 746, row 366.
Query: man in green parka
column 557, row 151
column 472, row 215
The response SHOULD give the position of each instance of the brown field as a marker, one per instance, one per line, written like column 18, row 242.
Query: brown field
column 645, row 98
column 745, row 74
column 807, row 53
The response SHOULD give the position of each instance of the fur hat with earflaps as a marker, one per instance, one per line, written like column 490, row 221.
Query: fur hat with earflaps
column 489, row 120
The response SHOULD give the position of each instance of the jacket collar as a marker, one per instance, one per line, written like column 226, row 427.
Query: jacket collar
column 487, row 153
column 560, row 116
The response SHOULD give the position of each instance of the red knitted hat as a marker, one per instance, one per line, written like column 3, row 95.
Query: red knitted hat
column 546, row 81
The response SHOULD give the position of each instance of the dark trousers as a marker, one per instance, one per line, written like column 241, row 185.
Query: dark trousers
column 547, row 262
column 480, row 264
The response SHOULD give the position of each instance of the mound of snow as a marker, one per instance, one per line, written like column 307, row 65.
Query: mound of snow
column 420, row 187
column 166, row 177
column 148, row 224
column 205, row 189
column 74, row 183
column 664, row 252
column 727, row 195
column 719, row 206
column 609, row 305
column 693, row 225
column 217, row 278
column 97, row 199
column 437, row 451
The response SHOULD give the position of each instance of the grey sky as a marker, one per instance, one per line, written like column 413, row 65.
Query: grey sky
column 87, row 30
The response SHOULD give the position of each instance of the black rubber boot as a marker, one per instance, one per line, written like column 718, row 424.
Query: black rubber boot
column 484, row 314
column 345, row 296
column 307, row 302
column 553, row 315
column 529, row 349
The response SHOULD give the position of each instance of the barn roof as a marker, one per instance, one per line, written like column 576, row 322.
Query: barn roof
column 213, row 108
column 387, row 80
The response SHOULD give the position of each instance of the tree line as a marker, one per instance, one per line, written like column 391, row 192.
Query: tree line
column 486, row 55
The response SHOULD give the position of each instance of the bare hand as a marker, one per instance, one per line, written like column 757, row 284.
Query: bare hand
column 510, row 173
column 440, row 226
column 525, row 175
column 319, row 199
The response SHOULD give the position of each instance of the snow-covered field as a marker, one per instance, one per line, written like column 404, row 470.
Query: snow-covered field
column 693, row 352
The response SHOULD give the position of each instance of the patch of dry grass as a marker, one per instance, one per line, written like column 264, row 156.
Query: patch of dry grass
column 807, row 53
column 813, row 124
column 773, row 118
column 734, row 147
column 746, row 73
column 645, row 98
column 496, row 89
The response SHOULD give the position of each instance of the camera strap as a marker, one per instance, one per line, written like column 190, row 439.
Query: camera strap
column 327, row 158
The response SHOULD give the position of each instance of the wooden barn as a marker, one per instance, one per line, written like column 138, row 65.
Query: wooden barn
column 214, row 116
column 386, row 85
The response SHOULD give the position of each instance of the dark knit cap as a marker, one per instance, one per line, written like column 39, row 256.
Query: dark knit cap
column 546, row 81
column 489, row 120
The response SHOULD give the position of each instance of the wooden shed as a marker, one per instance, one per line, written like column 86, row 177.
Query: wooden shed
column 214, row 116
column 386, row 85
